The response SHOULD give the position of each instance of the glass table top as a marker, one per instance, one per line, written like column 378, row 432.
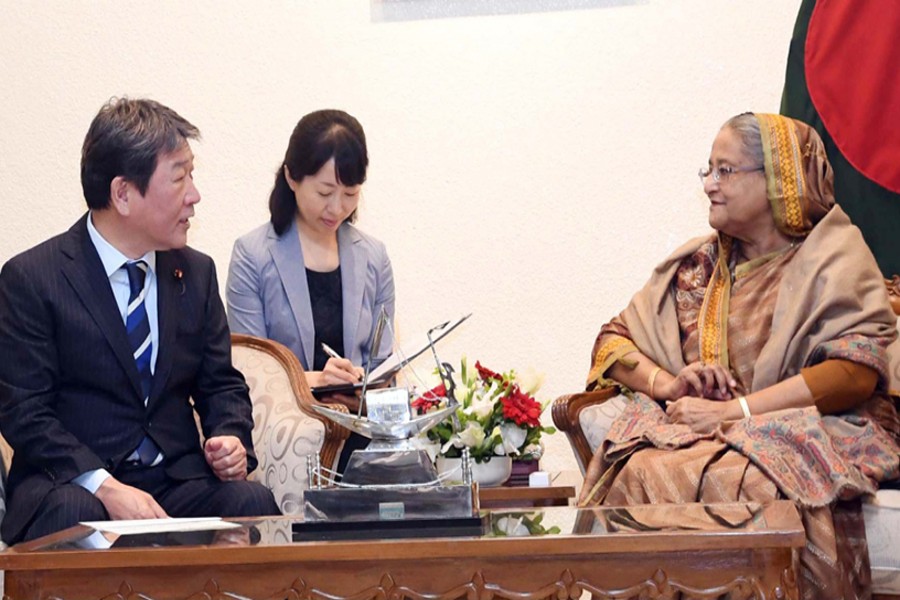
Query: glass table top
column 560, row 521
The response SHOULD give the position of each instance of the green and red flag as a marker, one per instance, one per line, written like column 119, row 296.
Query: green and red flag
column 843, row 78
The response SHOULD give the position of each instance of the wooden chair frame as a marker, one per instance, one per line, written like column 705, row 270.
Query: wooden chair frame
column 566, row 411
column 893, row 289
column 335, row 435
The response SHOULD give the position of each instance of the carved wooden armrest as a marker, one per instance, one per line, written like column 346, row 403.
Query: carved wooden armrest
column 566, row 410
column 335, row 435
column 893, row 288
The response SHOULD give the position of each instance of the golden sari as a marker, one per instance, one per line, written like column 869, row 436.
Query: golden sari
column 822, row 298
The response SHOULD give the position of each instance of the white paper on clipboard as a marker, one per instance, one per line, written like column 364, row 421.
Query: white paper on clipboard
column 399, row 358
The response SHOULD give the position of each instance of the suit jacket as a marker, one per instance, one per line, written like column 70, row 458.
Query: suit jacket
column 268, row 295
column 70, row 393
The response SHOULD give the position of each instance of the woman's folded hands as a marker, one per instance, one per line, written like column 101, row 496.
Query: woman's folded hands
column 701, row 396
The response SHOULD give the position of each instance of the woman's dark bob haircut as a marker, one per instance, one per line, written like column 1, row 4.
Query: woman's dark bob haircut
column 317, row 138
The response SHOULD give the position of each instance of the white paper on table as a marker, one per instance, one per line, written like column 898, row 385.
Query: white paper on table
column 160, row 525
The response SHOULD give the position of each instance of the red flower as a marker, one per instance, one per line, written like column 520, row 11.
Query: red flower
column 486, row 374
column 429, row 399
column 521, row 408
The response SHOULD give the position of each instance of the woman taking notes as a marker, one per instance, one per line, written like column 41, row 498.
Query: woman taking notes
column 309, row 278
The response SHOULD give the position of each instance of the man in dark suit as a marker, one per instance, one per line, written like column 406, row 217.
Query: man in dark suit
column 107, row 332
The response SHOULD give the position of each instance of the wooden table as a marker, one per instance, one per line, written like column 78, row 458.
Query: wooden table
column 514, row 497
column 609, row 552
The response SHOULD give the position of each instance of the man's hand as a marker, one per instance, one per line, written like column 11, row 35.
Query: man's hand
column 125, row 502
column 227, row 457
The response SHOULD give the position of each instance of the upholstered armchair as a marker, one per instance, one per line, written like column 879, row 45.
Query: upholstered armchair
column 286, row 430
column 586, row 418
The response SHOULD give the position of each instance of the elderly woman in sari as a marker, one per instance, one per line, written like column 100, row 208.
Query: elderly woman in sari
column 754, row 360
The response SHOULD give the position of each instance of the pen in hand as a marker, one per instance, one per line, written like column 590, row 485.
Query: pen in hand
column 331, row 352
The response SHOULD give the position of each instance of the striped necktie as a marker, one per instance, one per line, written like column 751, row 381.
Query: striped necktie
column 137, row 324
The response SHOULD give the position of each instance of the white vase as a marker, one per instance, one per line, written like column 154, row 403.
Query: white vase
column 488, row 474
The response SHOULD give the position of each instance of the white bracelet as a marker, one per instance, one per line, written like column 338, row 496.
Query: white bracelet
column 745, row 408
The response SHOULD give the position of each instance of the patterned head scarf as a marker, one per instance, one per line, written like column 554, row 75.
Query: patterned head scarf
column 800, row 188
column 799, row 180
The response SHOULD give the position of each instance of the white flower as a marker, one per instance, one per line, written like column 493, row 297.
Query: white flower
column 481, row 408
column 513, row 437
column 535, row 451
column 512, row 526
column 472, row 437
column 421, row 442
column 530, row 381
column 496, row 441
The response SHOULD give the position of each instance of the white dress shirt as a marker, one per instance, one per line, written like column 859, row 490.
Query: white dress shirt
column 113, row 260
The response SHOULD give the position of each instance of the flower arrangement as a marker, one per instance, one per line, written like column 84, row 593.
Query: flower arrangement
column 496, row 416
column 519, row 524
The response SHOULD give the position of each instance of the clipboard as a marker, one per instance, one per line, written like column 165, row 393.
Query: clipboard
column 389, row 367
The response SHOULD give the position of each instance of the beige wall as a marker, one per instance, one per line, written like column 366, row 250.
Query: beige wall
column 530, row 167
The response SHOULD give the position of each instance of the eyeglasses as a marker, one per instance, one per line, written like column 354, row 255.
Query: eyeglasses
column 720, row 174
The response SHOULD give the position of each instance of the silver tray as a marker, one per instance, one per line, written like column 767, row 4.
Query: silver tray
column 387, row 431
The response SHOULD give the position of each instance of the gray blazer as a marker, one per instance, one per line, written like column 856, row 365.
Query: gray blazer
column 268, row 296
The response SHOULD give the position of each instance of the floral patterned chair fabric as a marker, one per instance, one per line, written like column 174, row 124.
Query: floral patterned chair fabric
column 286, row 430
column 585, row 419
